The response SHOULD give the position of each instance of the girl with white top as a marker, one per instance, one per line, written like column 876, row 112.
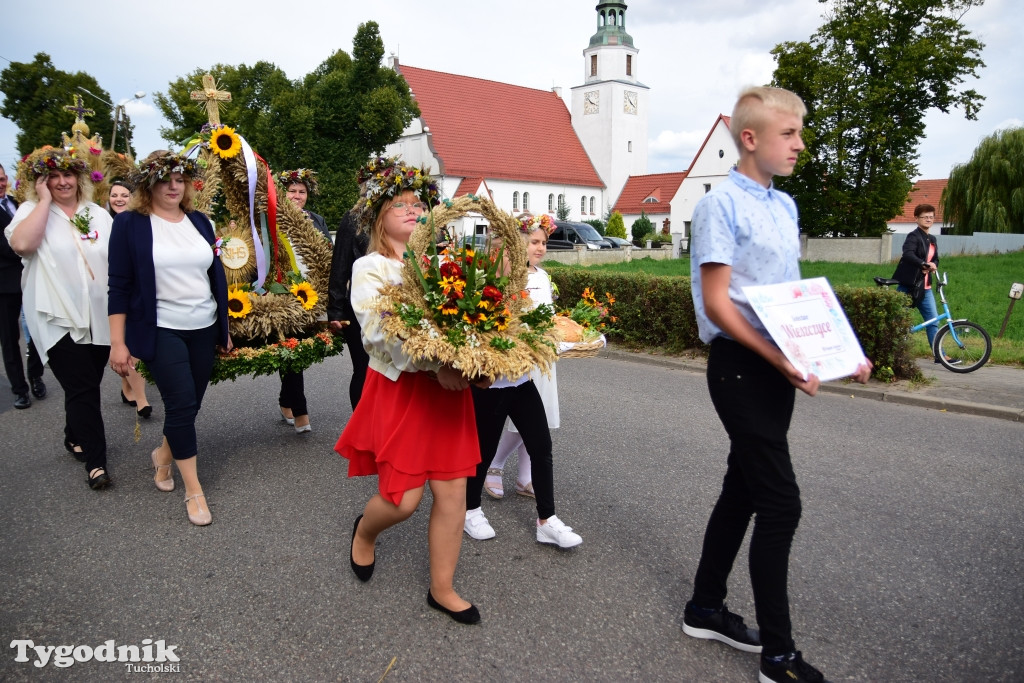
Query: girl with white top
column 62, row 239
column 169, row 308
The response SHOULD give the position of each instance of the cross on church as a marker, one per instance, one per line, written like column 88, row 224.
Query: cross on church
column 79, row 109
column 212, row 97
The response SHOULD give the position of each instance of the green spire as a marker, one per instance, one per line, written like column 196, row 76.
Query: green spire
column 611, row 25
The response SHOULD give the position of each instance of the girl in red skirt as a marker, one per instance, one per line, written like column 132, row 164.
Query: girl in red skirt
column 415, row 421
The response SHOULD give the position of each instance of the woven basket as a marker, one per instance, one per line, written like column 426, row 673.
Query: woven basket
column 582, row 349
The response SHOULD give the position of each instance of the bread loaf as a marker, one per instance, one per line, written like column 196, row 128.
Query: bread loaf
column 568, row 329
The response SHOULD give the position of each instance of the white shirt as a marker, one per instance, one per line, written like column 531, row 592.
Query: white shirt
column 181, row 258
column 64, row 283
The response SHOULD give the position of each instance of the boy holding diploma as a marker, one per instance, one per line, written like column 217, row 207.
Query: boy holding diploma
column 745, row 233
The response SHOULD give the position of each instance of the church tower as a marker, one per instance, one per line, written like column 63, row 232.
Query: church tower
column 609, row 111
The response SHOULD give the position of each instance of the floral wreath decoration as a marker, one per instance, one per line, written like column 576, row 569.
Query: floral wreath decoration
column 457, row 308
column 305, row 176
column 162, row 167
column 528, row 223
column 387, row 177
column 47, row 158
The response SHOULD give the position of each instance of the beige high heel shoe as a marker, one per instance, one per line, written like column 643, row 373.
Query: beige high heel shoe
column 202, row 517
column 162, row 484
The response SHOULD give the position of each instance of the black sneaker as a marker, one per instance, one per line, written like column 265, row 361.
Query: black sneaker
column 723, row 626
column 791, row 670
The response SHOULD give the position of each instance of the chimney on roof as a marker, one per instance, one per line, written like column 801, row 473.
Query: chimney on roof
column 557, row 90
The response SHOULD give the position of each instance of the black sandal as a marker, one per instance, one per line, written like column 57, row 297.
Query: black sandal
column 98, row 481
column 70, row 448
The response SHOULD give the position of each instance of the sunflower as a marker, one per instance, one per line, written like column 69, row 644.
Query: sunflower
column 239, row 303
column 306, row 295
column 225, row 142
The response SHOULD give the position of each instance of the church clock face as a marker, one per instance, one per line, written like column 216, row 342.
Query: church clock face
column 629, row 102
column 591, row 102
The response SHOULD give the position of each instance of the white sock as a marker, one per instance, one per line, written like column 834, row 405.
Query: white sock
column 507, row 445
column 525, row 471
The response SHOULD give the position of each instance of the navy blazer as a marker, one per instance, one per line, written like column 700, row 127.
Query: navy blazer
column 915, row 251
column 10, row 263
column 131, row 280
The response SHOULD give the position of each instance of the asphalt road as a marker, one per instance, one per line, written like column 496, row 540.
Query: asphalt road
column 907, row 565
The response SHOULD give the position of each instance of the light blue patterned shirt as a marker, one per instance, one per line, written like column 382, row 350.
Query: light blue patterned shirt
column 754, row 230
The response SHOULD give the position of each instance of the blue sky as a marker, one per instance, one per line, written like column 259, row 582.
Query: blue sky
column 694, row 56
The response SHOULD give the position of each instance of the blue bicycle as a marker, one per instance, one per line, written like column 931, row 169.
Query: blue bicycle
column 960, row 345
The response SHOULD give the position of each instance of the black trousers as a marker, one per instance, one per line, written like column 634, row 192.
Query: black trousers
column 10, row 333
column 524, row 406
column 181, row 368
column 78, row 368
column 360, row 361
column 293, row 393
column 755, row 404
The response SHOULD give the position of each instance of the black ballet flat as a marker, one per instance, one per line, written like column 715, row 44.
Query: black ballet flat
column 363, row 572
column 124, row 399
column 70, row 448
column 100, row 480
column 470, row 615
column 145, row 412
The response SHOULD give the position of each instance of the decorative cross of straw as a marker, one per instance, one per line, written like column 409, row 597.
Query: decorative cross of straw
column 212, row 97
column 79, row 109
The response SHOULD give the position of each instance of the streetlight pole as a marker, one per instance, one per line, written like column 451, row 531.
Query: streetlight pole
column 118, row 111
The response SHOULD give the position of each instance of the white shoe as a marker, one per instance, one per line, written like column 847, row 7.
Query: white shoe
column 477, row 526
column 555, row 532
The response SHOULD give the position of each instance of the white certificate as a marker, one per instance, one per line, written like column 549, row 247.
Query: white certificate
column 808, row 324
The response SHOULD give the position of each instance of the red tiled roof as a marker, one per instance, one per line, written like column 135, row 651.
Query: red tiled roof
column 923, row 192
column 469, row 186
column 661, row 186
column 486, row 129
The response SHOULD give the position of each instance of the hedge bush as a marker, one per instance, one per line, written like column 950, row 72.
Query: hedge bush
column 656, row 311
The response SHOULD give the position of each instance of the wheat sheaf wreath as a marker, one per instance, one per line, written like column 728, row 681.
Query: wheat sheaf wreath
column 510, row 352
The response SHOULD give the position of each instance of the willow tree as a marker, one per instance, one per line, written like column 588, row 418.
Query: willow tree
column 987, row 193
column 868, row 76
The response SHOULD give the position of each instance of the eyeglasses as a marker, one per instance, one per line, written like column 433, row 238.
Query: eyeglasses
column 402, row 207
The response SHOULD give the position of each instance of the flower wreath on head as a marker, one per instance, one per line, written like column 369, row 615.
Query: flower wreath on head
column 456, row 307
column 305, row 176
column 528, row 224
column 46, row 159
column 388, row 177
column 162, row 167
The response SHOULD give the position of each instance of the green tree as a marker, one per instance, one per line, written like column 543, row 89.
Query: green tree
column 563, row 212
column 35, row 94
column 598, row 225
column 987, row 193
column 868, row 76
column 641, row 227
column 616, row 227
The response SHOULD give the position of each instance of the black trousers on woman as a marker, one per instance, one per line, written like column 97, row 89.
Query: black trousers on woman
column 293, row 393
column 78, row 368
column 755, row 404
column 181, row 369
column 360, row 360
column 523, row 405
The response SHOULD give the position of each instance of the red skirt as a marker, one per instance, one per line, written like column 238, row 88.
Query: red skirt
column 409, row 431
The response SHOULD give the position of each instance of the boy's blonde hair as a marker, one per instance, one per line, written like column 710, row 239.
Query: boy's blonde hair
column 749, row 112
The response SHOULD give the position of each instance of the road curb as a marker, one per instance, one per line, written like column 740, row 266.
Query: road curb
column 851, row 389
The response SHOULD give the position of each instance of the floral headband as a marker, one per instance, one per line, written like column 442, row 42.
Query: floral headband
column 528, row 224
column 300, row 175
column 46, row 159
column 387, row 177
column 162, row 167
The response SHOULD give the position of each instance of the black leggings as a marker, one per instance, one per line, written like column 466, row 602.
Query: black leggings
column 524, row 406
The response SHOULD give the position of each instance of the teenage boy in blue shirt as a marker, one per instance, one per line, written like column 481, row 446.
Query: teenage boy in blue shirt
column 745, row 233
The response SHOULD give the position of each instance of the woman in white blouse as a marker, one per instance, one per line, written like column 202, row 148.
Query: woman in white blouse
column 168, row 307
column 62, row 239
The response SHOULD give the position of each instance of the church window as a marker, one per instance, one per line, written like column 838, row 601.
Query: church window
column 551, row 203
column 707, row 188
column 629, row 65
column 526, row 201
column 629, row 146
column 515, row 201
column 583, row 205
column 561, row 201
column 619, row 15
column 593, row 65
column 591, row 206
column 600, row 20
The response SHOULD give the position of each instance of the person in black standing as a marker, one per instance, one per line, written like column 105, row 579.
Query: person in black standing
column 349, row 244
column 10, row 311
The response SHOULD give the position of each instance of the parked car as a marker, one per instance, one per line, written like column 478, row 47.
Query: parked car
column 618, row 242
column 560, row 245
column 579, row 233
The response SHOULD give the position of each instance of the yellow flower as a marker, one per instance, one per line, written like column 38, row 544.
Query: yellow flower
column 306, row 295
column 450, row 283
column 239, row 303
column 225, row 142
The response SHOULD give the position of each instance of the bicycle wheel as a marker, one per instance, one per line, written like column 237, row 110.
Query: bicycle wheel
column 970, row 354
